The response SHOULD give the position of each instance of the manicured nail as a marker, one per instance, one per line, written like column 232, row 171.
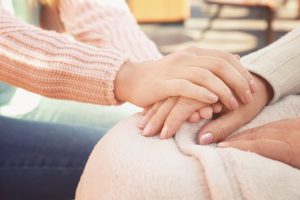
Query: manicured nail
column 207, row 115
column 147, row 130
column 234, row 104
column 213, row 98
column 223, row 144
column 237, row 56
column 205, row 139
column 253, row 85
column 248, row 97
column 142, row 123
column 218, row 109
column 164, row 132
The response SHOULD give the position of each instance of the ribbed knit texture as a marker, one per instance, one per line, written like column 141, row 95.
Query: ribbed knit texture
column 52, row 65
column 90, row 22
column 279, row 64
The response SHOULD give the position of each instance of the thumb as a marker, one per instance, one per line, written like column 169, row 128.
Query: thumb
column 218, row 129
column 273, row 149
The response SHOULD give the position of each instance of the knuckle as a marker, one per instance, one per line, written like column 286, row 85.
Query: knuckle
column 177, row 57
column 255, row 133
column 258, row 145
column 290, row 153
column 227, row 56
column 205, row 75
column 221, row 130
column 221, row 66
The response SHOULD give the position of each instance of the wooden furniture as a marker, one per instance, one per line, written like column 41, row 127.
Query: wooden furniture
column 267, row 6
column 160, row 11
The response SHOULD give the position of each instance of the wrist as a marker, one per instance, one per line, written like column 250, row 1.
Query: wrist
column 265, row 90
column 123, row 82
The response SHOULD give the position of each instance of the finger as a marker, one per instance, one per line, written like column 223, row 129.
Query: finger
column 206, row 112
column 158, row 119
column 184, row 88
column 233, row 60
column 146, row 110
column 220, row 128
column 232, row 77
column 237, row 56
column 145, row 119
column 273, row 149
column 183, row 109
column 209, row 80
column 217, row 107
column 195, row 117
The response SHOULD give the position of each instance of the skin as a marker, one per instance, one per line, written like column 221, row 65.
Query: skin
column 218, row 129
column 168, row 116
column 201, row 75
column 272, row 140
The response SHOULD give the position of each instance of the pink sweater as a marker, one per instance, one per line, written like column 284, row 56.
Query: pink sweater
column 52, row 65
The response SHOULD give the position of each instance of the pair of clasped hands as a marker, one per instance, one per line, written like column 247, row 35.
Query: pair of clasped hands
column 194, row 84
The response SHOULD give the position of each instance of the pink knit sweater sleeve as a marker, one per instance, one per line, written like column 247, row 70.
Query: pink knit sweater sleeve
column 95, row 23
column 50, row 64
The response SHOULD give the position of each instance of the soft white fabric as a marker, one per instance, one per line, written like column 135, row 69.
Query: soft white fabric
column 126, row 165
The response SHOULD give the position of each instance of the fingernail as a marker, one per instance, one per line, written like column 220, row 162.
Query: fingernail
column 205, row 139
column 213, row 98
column 223, row 144
column 218, row 109
column 248, row 97
column 142, row 122
column 253, row 85
column 234, row 104
column 207, row 115
column 237, row 56
column 164, row 132
column 147, row 130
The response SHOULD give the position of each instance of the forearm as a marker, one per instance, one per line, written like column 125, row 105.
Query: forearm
column 278, row 64
column 102, row 25
column 51, row 65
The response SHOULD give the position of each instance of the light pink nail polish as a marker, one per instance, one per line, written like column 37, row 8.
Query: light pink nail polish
column 142, row 122
column 234, row 104
column 206, row 138
column 164, row 132
column 213, row 98
column 147, row 130
column 218, row 109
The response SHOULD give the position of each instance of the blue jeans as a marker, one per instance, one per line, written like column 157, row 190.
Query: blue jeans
column 41, row 160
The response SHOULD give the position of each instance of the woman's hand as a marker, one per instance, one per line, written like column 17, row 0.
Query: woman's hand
column 220, row 128
column 170, row 114
column 199, row 74
column 278, row 141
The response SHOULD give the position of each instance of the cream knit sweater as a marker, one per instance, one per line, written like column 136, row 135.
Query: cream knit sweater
column 84, row 70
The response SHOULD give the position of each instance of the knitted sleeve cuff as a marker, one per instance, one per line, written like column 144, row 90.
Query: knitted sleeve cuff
column 279, row 64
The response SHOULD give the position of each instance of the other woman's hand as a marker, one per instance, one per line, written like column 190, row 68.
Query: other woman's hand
column 200, row 74
column 168, row 116
column 278, row 141
column 218, row 129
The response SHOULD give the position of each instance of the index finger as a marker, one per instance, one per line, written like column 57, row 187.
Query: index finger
column 230, row 58
column 183, row 109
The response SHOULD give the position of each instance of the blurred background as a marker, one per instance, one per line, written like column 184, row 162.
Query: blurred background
column 238, row 26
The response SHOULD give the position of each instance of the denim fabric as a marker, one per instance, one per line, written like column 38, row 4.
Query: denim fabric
column 42, row 160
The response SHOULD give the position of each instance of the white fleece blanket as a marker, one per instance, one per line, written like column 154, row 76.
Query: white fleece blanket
column 126, row 165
